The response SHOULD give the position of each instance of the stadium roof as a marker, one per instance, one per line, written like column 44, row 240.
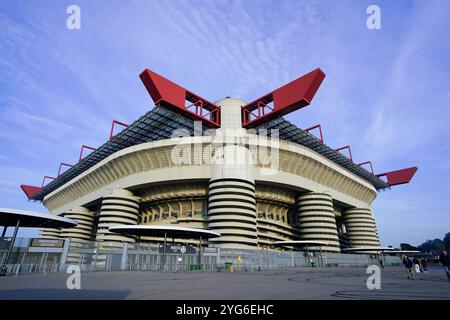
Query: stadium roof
column 290, row 132
column 159, row 124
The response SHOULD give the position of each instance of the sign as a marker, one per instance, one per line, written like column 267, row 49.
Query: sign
column 178, row 249
column 48, row 243
column 210, row 250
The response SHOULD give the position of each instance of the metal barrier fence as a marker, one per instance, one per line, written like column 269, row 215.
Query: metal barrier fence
column 93, row 256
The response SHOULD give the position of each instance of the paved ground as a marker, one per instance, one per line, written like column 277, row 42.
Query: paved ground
column 334, row 283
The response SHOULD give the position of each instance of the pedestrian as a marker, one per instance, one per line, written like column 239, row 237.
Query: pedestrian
column 416, row 264
column 409, row 267
column 381, row 262
column 425, row 265
column 445, row 260
column 420, row 265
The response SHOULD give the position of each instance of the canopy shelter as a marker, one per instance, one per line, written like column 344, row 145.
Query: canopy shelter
column 300, row 243
column 405, row 251
column 303, row 243
column 29, row 219
column 368, row 249
column 167, row 231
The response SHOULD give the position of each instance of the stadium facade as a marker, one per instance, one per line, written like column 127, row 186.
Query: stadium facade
column 234, row 167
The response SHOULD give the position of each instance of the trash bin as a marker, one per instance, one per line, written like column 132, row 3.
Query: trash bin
column 228, row 265
column 195, row 267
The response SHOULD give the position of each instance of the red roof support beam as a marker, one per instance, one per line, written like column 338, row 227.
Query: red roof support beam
column 168, row 94
column 317, row 126
column 349, row 151
column 114, row 122
column 81, row 152
column 367, row 162
column 288, row 98
column 61, row 165
column 29, row 191
column 397, row 177
column 47, row 177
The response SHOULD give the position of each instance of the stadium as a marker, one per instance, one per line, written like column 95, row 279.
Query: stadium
column 234, row 167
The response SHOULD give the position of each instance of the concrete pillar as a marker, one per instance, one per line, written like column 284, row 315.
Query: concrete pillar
column 65, row 252
column 50, row 233
column 317, row 221
column 120, row 207
column 361, row 228
column 231, row 194
column 81, row 234
column 123, row 263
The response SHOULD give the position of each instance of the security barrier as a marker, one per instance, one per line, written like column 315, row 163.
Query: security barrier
column 96, row 256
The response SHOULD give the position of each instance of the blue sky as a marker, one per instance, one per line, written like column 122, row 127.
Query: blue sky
column 386, row 93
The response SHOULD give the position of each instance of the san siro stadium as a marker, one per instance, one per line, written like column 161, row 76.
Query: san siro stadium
column 234, row 167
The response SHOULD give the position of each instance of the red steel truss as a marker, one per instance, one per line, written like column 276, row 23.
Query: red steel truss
column 397, row 177
column 29, row 191
column 114, row 122
column 369, row 163
column 288, row 98
column 45, row 178
column 62, row 164
column 349, row 151
column 85, row 147
column 317, row 126
column 168, row 94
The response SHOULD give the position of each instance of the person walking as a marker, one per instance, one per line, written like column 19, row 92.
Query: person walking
column 445, row 260
column 425, row 265
column 416, row 264
column 380, row 259
column 409, row 267
column 420, row 265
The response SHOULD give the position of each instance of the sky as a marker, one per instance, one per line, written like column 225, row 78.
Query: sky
column 386, row 91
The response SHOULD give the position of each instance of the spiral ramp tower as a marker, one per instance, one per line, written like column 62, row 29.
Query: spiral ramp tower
column 81, row 235
column 316, row 220
column 50, row 233
column 120, row 207
column 361, row 228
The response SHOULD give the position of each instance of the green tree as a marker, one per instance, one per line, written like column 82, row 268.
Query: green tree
column 447, row 241
column 432, row 245
column 407, row 246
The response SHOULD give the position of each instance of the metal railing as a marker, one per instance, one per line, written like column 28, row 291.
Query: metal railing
column 92, row 256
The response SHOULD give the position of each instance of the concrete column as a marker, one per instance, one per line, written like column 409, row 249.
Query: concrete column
column 317, row 221
column 123, row 264
column 50, row 233
column 231, row 194
column 120, row 207
column 361, row 228
column 65, row 252
column 81, row 234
